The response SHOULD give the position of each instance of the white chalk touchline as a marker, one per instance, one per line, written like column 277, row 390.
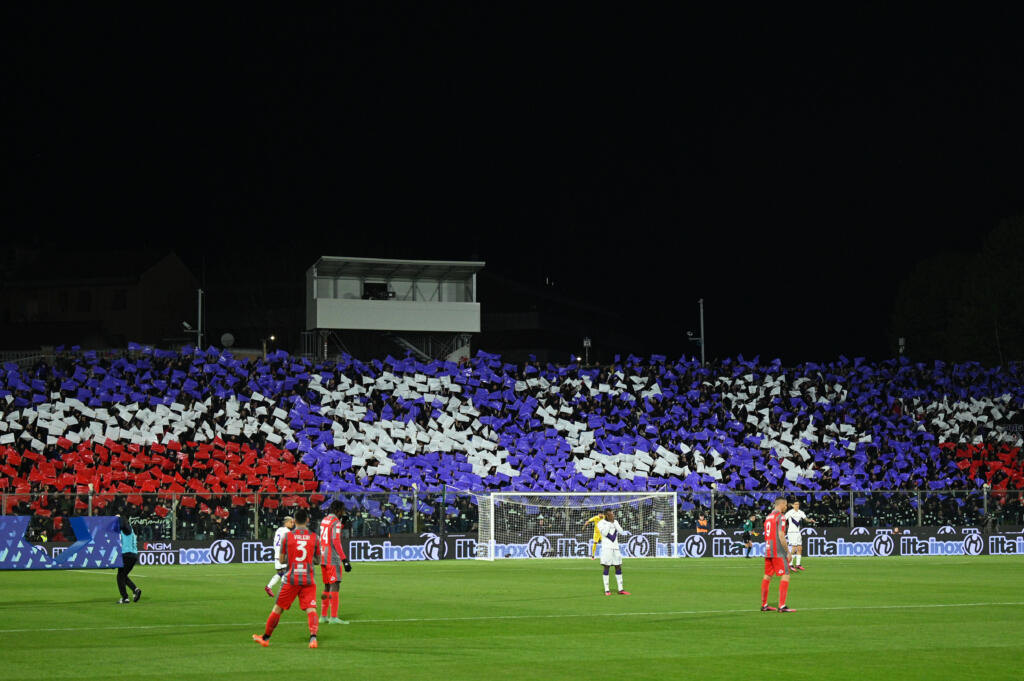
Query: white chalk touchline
column 522, row 617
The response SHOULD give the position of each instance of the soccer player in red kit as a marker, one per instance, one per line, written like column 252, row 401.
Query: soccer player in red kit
column 776, row 556
column 333, row 559
column 300, row 551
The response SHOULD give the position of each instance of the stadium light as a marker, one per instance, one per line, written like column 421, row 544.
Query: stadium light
column 270, row 338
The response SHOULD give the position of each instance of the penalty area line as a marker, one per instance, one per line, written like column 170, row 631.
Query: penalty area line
column 208, row 625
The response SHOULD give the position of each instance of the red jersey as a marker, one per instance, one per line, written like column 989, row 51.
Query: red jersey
column 330, row 541
column 298, row 551
column 775, row 535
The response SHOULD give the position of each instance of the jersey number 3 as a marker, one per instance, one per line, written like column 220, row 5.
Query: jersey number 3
column 302, row 551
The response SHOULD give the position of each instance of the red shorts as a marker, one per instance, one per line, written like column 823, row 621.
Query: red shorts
column 306, row 595
column 330, row 573
column 776, row 567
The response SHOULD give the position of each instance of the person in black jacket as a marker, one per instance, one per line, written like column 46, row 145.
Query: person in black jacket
column 129, row 557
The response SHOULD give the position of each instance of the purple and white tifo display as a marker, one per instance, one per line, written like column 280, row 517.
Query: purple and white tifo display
column 639, row 424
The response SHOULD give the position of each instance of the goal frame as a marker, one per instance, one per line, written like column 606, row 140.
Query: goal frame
column 486, row 504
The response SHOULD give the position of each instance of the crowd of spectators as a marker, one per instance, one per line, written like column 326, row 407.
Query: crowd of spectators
column 200, row 438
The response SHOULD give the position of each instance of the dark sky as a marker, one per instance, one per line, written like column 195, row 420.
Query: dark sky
column 789, row 170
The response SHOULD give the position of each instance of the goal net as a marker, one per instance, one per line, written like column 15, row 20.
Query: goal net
column 551, row 524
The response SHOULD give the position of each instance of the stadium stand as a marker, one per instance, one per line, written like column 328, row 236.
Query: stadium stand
column 218, row 434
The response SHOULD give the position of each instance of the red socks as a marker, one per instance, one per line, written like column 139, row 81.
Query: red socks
column 325, row 603
column 783, row 588
column 271, row 624
column 764, row 592
column 335, row 603
column 311, row 616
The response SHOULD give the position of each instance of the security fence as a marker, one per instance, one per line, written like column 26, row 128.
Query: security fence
column 190, row 517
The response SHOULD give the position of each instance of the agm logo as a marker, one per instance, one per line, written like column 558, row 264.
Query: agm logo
column 538, row 547
column 807, row 531
column 695, row 546
column 859, row 532
column 718, row 532
column 638, row 545
column 945, row 530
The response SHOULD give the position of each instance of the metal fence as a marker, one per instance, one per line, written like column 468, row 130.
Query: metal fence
column 167, row 516
column 876, row 508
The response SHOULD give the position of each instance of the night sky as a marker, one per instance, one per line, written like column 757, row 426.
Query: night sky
column 789, row 170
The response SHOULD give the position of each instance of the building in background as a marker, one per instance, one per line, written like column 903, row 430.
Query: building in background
column 95, row 300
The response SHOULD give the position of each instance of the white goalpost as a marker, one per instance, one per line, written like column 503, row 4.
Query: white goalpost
column 551, row 524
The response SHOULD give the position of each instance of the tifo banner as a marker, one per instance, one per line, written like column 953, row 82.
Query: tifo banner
column 818, row 543
column 97, row 545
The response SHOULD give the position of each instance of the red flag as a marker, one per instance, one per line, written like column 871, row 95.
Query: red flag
column 64, row 443
column 188, row 501
column 270, row 502
column 174, row 446
column 44, row 512
column 161, row 511
column 80, row 505
column 135, row 499
column 158, row 448
column 12, row 457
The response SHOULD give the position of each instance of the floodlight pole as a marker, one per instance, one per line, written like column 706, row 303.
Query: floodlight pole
column 703, row 337
column 199, row 320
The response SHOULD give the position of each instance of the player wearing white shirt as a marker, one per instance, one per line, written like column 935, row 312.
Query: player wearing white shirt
column 287, row 525
column 610, row 531
column 795, row 519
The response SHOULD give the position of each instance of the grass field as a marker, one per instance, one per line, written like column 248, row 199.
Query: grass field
column 859, row 618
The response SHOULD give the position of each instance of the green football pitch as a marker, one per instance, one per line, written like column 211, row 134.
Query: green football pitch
column 858, row 618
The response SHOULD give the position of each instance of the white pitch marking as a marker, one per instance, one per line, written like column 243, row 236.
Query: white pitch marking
column 526, row 617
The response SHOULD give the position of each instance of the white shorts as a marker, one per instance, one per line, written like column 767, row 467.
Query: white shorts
column 795, row 539
column 280, row 566
column 611, row 557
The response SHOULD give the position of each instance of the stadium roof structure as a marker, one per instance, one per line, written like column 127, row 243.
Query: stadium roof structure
column 387, row 268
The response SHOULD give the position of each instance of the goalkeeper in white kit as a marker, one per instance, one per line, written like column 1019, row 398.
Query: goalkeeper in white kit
column 610, row 531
